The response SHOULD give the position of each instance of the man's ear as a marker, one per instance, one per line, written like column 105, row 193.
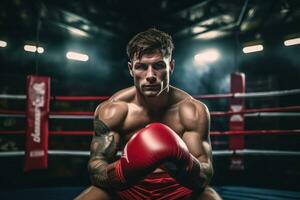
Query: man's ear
column 172, row 65
column 130, row 66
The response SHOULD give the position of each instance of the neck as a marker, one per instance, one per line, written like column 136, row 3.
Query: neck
column 156, row 103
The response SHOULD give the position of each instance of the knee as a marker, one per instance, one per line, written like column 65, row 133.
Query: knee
column 93, row 193
column 208, row 194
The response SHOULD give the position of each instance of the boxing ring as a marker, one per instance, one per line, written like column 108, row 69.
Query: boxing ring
column 237, row 148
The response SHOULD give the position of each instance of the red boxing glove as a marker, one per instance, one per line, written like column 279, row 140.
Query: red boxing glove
column 148, row 149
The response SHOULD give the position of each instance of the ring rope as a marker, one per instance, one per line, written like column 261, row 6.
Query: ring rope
column 12, row 96
column 217, row 96
column 89, row 115
column 212, row 133
column 256, row 110
column 255, row 132
column 273, row 114
column 249, row 94
column 215, row 153
column 79, row 98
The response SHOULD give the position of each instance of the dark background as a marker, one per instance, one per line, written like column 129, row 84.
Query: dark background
column 105, row 27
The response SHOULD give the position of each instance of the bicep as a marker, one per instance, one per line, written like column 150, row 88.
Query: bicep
column 108, row 118
column 198, row 146
column 196, row 134
column 103, row 134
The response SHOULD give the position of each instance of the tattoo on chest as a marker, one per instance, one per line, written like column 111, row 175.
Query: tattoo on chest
column 100, row 127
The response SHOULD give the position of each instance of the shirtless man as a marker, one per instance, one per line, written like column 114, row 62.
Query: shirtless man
column 162, row 131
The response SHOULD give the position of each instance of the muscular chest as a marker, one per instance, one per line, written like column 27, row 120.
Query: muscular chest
column 138, row 118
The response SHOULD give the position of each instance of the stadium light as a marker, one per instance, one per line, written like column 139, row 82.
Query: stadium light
column 253, row 48
column 291, row 42
column 3, row 43
column 33, row 49
column 77, row 56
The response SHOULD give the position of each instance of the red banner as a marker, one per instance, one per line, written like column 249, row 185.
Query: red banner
column 236, row 121
column 38, row 100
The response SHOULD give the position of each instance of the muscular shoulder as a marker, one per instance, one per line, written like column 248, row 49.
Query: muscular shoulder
column 125, row 95
column 112, row 113
column 193, row 114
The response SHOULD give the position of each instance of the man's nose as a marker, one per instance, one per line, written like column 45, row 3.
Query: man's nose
column 150, row 76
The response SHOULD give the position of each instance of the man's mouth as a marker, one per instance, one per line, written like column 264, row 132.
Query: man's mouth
column 151, row 87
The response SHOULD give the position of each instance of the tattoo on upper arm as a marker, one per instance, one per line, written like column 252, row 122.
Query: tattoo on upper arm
column 100, row 127
column 103, row 148
column 103, row 143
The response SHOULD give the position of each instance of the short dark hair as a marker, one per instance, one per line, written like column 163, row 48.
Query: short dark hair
column 149, row 41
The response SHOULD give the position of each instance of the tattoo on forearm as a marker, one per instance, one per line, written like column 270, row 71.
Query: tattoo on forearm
column 98, row 174
column 103, row 147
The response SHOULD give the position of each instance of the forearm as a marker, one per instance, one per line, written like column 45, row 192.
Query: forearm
column 98, row 174
column 104, row 174
column 201, row 173
column 197, row 176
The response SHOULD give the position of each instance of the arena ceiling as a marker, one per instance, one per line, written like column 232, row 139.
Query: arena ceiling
column 101, row 29
column 119, row 19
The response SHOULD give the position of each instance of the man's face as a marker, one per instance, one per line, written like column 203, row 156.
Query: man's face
column 151, row 73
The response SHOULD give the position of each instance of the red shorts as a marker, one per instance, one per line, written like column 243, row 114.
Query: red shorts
column 156, row 186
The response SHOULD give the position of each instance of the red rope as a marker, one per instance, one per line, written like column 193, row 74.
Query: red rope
column 79, row 98
column 77, row 113
column 102, row 98
column 212, row 133
column 71, row 132
column 276, row 109
column 254, row 132
column 4, row 111
column 215, row 114
column 21, row 132
column 14, row 132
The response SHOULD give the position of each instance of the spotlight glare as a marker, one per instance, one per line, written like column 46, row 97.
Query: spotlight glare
column 30, row 48
column 40, row 50
column 77, row 31
column 207, row 56
column 77, row 56
column 291, row 42
column 254, row 48
column 33, row 49
column 3, row 43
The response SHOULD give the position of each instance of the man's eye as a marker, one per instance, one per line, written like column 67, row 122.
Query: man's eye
column 159, row 65
column 141, row 66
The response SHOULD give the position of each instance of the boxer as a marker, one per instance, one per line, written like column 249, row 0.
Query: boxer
column 162, row 131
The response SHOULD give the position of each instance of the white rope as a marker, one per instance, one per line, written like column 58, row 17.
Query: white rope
column 235, row 95
column 71, row 117
column 273, row 114
column 266, row 94
column 12, row 96
column 68, row 153
column 50, row 152
column 52, row 116
column 12, row 153
column 259, row 152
